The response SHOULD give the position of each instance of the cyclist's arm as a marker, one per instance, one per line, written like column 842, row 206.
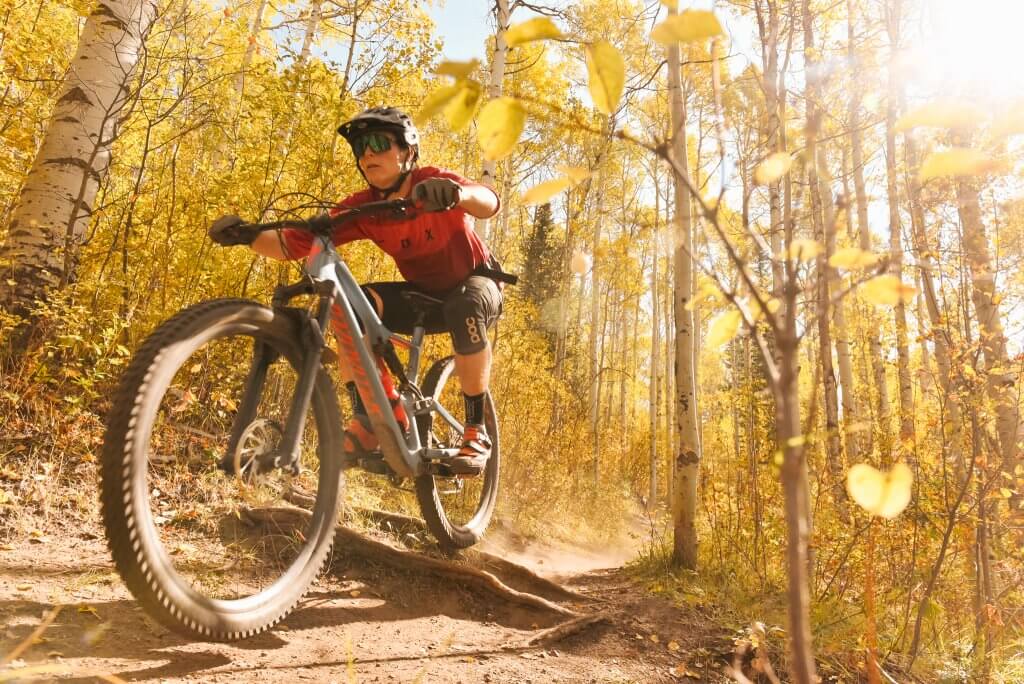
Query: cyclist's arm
column 478, row 200
column 291, row 243
column 270, row 244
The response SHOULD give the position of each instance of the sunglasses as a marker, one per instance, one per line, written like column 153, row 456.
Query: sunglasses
column 378, row 142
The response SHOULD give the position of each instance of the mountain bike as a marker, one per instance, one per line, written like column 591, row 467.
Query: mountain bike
column 228, row 408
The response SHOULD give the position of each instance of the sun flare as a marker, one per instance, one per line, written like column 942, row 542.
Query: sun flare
column 972, row 49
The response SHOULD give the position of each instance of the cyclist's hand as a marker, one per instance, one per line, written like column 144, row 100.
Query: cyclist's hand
column 232, row 230
column 436, row 194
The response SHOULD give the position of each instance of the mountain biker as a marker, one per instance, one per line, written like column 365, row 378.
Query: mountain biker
column 437, row 252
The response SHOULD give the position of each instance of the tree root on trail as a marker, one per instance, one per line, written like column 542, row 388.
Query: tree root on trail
column 567, row 629
column 350, row 541
column 513, row 574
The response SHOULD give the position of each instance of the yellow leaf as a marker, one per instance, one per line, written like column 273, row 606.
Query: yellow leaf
column 607, row 75
column 1005, row 492
column 542, row 192
column 773, row 168
column 578, row 174
column 799, row 440
column 803, row 249
column 435, row 103
column 852, row 258
column 460, row 109
column 942, row 114
column 723, row 328
column 882, row 494
column 688, row 27
column 539, row 28
column 673, row 645
column 90, row 610
column 707, row 291
column 457, row 69
column 580, row 263
column 886, row 290
column 958, row 161
column 500, row 124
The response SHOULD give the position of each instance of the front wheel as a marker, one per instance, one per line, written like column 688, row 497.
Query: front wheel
column 214, row 554
column 456, row 510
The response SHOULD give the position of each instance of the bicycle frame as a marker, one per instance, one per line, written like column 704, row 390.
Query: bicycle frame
column 342, row 305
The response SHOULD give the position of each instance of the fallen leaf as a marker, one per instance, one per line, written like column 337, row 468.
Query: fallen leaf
column 673, row 646
column 90, row 610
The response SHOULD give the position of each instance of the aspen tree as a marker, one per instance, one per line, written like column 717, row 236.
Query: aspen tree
column 686, row 457
column 56, row 202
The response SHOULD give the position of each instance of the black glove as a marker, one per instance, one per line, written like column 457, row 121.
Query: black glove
column 436, row 194
column 232, row 230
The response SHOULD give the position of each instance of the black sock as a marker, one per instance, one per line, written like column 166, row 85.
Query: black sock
column 357, row 402
column 474, row 408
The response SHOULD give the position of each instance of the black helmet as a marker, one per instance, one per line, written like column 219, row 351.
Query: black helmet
column 382, row 118
column 388, row 119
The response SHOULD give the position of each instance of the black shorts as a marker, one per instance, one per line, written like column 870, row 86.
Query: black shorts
column 468, row 311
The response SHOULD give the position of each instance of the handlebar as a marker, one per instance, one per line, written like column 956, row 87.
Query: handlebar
column 323, row 224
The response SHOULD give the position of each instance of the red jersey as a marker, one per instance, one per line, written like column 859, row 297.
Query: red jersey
column 435, row 251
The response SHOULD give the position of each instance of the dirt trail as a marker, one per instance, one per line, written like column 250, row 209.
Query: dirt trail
column 360, row 623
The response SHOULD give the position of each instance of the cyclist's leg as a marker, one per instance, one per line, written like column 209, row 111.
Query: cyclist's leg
column 469, row 311
column 397, row 315
column 359, row 439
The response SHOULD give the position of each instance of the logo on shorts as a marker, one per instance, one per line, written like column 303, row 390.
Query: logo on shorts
column 473, row 330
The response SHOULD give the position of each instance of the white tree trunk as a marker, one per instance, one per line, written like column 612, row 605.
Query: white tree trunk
column 502, row 15
column 56, row 202
column 687, row 457
column 312, row 24
column 652, row 497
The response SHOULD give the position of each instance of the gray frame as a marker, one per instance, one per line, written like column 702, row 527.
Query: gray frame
column 406, row 456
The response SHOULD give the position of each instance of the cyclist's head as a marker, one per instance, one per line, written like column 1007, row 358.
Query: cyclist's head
column 373, row 134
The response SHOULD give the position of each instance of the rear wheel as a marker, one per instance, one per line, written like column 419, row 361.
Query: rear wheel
column 456, row 510
column 214, row 554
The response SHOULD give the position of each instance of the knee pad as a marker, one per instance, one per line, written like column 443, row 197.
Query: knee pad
column 466, row 316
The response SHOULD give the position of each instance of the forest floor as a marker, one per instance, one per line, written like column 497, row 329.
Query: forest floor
column 362, row 622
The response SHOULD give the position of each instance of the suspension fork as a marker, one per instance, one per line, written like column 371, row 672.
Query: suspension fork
column 287, row 455
column 262, row 358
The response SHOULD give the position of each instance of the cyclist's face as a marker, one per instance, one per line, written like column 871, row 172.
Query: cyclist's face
column 382, row 168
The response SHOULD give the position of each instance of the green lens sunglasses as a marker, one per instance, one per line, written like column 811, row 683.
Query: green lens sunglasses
column 378, row 142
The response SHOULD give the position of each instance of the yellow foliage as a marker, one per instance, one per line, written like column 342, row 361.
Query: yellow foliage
column 958, row 161
column 688, row 27
column 942, row 114
column 538, row 28
column 881, row 494
column 886, row 290
column 852, row 258
column 607, row 75
column 773, row 168
column 724, row 327
column 500, row 124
